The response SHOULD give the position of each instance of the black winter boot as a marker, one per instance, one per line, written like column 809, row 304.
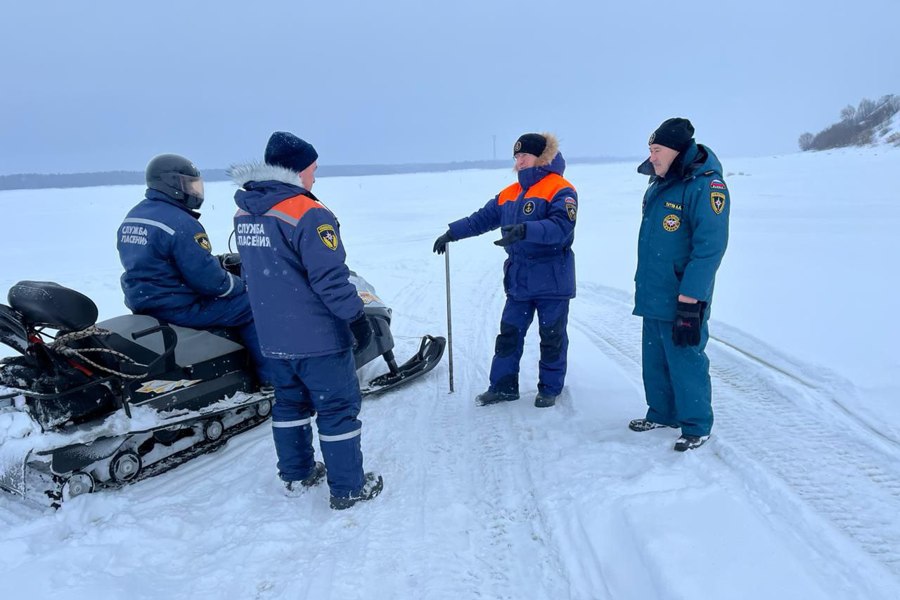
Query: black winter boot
column 295, row 488
column 543, row 400
column 370, row 489
column 689, row 442
column 645, row 425
column 490, row 397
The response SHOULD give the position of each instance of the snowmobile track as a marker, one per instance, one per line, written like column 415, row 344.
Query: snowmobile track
column 509, row 506
column 505, row 506
column 784, row 423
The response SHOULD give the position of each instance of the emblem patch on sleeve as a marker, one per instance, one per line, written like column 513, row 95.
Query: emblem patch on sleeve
column 717, row 184
column 571, row 207
column 717, row 201
column 203, row 241
column 671, row 222
column 528, row 208
column 328, row 236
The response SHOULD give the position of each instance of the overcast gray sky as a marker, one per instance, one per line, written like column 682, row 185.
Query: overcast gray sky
column 106, row 85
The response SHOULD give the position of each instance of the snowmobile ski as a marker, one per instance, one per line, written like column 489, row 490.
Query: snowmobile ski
column 431, row 349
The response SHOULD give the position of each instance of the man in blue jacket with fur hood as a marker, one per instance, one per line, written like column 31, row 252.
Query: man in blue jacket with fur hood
column 683, row 236
column 308, row 315
column 536, row 217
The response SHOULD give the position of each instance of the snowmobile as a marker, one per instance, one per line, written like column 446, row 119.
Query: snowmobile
column 101, row 405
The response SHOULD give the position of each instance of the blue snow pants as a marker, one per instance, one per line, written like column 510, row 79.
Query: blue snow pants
column 327, row 387
column 231, row 312
column 676, row 379
column 553, row 316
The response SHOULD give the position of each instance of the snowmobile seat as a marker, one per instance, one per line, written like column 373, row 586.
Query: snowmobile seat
column 194, row 347
column 50, row 304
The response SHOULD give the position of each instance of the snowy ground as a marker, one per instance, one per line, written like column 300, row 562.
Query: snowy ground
column 797, row 495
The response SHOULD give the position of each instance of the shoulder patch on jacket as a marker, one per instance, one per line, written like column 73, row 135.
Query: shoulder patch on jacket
column 328, row 236
column 717, row 184
column 717, row 201
column 571, row 208
column 203, row 240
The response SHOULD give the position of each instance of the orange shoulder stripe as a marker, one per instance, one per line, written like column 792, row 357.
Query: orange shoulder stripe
column 292, row 209
column 548, row 187
column 509, row 194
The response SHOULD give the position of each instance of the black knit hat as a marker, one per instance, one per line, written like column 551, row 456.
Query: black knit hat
column 676, row 134
column 530, row 143
column 287, row 150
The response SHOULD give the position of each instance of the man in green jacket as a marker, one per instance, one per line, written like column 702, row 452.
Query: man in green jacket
column 683, row 236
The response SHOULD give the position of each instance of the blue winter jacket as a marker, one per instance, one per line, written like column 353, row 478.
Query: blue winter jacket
column 293, row 261
column 684, row 233
column 168, row 259
column 542, row 266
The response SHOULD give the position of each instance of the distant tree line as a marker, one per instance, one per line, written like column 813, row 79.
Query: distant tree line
column 30, row 181
column 859, row 126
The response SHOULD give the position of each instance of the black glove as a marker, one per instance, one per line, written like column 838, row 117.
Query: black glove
column 361, row 330
column 511, row 234
column 686, row 329
column 231, row 262
column 440, row 244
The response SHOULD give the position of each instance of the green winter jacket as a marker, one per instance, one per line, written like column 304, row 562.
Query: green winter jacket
column 684, row 233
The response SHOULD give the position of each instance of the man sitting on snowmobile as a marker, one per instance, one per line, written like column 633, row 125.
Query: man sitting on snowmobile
column 308, row 315
column 170, row 271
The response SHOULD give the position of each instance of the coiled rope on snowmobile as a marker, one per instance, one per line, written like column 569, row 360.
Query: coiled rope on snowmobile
column 59, row 345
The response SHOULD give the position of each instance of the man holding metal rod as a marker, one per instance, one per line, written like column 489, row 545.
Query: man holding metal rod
column 536, row 216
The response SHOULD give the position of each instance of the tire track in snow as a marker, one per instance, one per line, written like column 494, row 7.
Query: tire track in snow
column 436, row 531
column 785, row 423
column 486, row 451
column 824, row 458
column 503, row 486
column 504, row 511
